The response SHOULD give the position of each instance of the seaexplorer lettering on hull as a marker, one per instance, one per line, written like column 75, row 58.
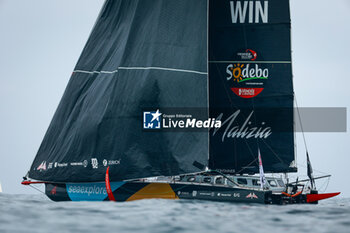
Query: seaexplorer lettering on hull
column 249, row 11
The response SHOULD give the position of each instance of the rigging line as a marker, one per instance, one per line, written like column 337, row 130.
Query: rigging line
column 233, row 105
column 246, row 45
column 229, row 97
column 301, row 124
column 207, row 105
column 37, row 189
column 257, row 140
column 304, row 166
column 273, row 151
column 324, row 185
column 257, row 143
column 255, row 160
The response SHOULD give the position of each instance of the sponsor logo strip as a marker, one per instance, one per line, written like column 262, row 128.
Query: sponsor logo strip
column 90, row 191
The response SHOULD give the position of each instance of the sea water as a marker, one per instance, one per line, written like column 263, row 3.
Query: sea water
column 36, row 213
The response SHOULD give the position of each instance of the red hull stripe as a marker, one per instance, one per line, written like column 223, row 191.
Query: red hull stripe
column 317, row 197
column 108, row 186
column 28, row 182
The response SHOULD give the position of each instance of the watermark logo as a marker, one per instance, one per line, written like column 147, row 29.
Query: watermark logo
column 172, row 119
column 152, row 120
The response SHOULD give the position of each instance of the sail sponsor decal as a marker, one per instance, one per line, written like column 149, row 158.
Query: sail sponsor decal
column 42, row 166
column 248, row 54
column 53, row 165
column 249, row 11
column 106, row 162
column 57, row 164
column 246, row 80
column 94, row 163
column 177, row 120
column 82, row 163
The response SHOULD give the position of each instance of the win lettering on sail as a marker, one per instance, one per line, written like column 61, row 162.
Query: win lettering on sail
column 200, row 107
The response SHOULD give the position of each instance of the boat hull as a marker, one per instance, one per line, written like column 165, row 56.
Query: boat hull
column 130, row 191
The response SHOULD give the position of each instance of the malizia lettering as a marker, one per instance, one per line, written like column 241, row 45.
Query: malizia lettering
column 255, row 11
column 244, row 131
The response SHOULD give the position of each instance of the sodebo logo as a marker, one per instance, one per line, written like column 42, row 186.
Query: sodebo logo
column 248, row 80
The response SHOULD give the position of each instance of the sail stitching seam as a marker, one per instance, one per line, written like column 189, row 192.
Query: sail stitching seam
column 138, row 68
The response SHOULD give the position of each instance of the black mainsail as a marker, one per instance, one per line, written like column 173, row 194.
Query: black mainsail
column 140, row 54
column 250, row 86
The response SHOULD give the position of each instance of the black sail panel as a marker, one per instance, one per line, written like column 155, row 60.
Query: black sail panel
column 250, row 86
column 140, row 54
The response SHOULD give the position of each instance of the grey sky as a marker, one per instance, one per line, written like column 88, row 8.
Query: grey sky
column 41, row 41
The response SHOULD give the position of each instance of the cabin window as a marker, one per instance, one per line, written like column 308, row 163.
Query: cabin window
column 219, row 180
column 242, row 181
column 272, row 183
column 256, row 182
column 280, row 183
column 207, row 180
column 191, row 179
